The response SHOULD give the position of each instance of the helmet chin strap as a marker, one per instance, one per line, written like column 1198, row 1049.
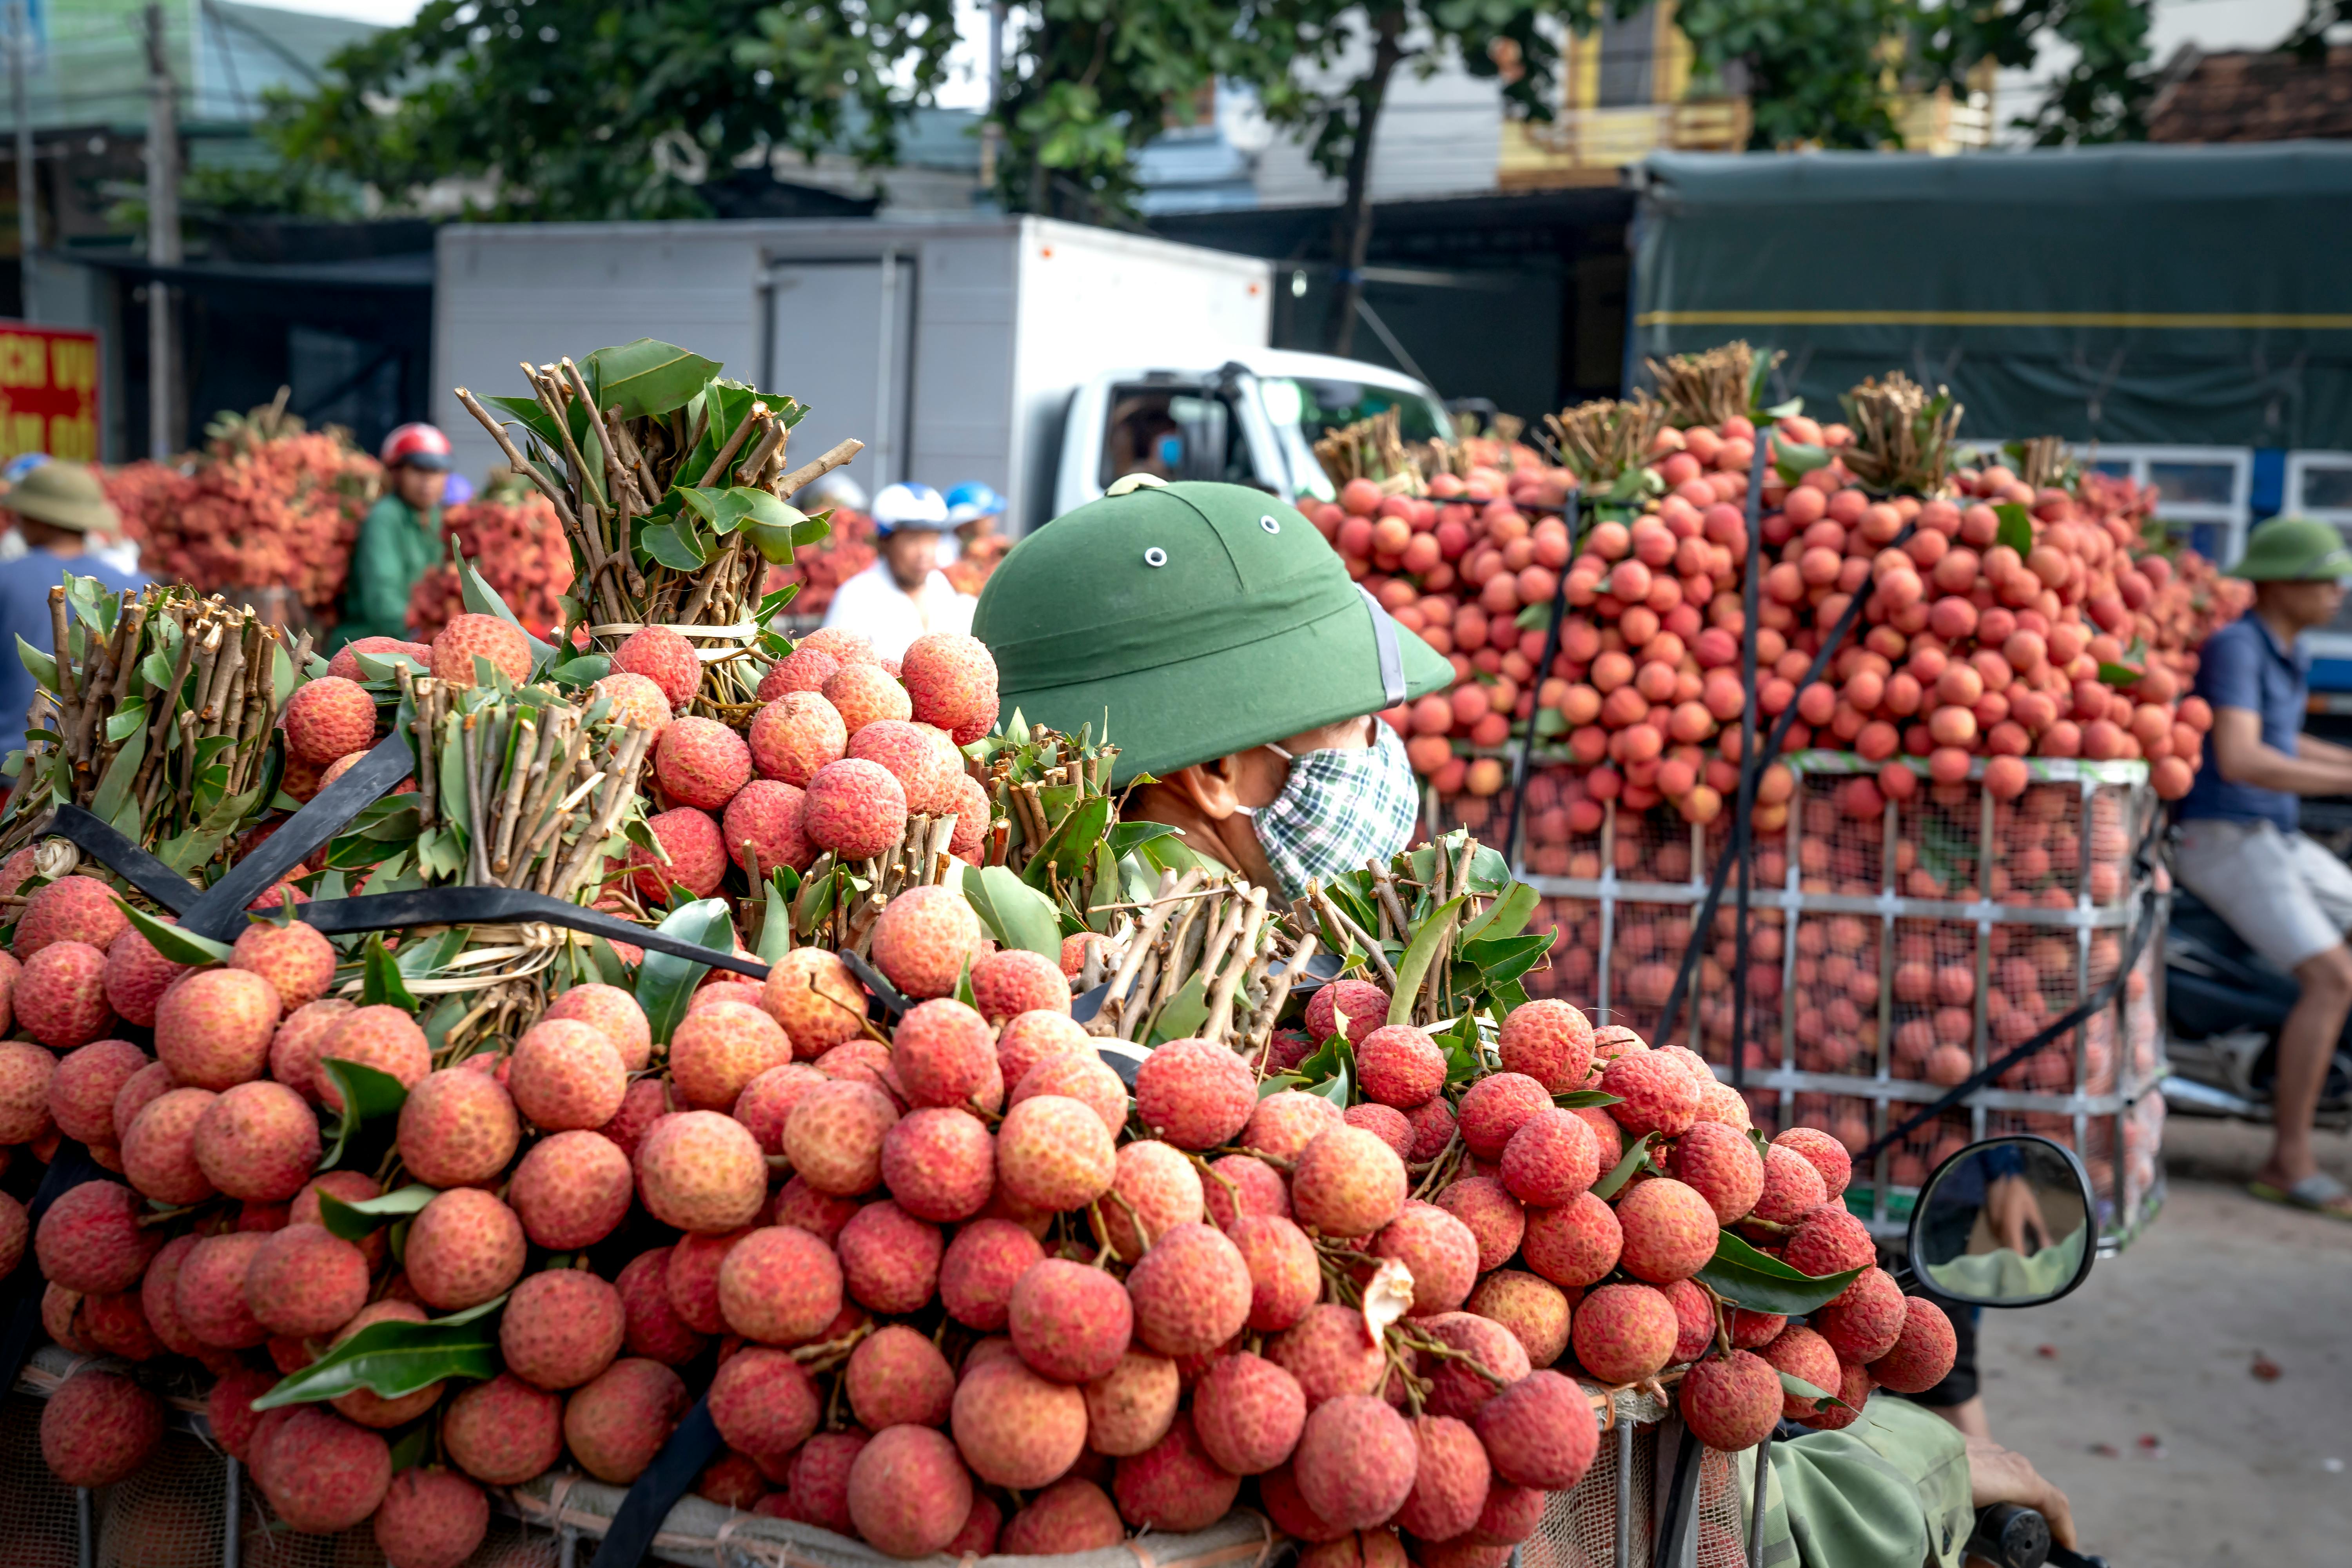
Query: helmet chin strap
column 1384, row 640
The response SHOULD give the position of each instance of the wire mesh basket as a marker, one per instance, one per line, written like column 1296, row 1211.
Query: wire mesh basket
column 1894, row 949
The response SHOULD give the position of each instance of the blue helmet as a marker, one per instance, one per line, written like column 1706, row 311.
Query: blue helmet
column 908, row 506
column 972, row 500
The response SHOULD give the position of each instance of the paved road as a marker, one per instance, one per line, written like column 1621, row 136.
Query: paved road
column 2137, row 1394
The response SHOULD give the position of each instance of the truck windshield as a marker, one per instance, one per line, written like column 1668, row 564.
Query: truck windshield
column 1175, row 432
column 1303, row 410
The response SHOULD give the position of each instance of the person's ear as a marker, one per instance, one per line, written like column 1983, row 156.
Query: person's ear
column 1211, row 788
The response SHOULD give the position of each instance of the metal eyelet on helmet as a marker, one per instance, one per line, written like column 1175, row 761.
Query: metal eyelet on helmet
column 1155, row 556
column 1268, row 523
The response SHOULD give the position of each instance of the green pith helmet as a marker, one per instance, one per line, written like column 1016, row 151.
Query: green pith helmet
column 2293, row 550
column 1188, row 621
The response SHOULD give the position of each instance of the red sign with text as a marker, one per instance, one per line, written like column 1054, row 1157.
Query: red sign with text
column 49, row 392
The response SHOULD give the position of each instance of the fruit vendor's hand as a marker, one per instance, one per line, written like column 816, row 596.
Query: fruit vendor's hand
column 1999, row 1475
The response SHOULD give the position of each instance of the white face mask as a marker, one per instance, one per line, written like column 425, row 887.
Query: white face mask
column 1341, row 806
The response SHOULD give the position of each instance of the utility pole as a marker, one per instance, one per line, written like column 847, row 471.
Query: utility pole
column 28, row 222
column 162, row 237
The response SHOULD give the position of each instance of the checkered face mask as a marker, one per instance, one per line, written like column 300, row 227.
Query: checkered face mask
column 1339, row 808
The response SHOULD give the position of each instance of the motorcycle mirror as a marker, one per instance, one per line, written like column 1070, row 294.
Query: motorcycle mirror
column 2008, row 1222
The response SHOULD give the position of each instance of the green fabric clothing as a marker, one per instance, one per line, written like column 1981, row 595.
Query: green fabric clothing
column 394, row 550
column 1889, row 1491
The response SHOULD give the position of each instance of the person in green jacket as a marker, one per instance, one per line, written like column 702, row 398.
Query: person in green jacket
column 399, row 539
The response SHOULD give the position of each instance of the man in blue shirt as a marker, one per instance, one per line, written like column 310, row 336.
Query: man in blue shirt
column 2240, row 850
column 53, row 508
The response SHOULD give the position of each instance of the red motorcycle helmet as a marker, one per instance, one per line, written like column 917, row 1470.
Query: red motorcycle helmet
column 418, row 445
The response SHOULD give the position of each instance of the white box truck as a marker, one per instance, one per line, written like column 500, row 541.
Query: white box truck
column 1042, row 358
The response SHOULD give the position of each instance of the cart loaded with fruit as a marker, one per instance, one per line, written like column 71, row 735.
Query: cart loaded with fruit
column 655, row 1083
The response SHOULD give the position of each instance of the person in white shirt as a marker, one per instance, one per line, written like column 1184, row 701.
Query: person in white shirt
column 904, row 594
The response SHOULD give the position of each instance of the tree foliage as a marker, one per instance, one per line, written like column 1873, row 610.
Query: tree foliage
column 1817, row 71
column 2104, row 92
column 614, row 108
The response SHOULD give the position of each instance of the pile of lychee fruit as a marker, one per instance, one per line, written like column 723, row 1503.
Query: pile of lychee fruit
column 954, row 1289
column 1970, row 650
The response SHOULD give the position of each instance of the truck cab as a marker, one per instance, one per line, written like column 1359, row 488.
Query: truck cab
column 1252, row 418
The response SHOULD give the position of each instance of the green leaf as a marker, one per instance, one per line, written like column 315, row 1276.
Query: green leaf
column 172, row 943
column 1792, row 1384
column 127, row 720
column 155, row 669
column 1336, row 1091
column 1067, row 846
column 369, row 1095
column 1794, row 459
column 585, row 671
column 1762, row 1283
column 392, row 1359
column 673, row 544
column 1274, row 1083
column 355, row 1220
column 1016, row 914
column 665, row 982
column 646, row 377
column 381, row 985
column 193, row 849
column 414, row 1445
column 485, row 600
column 387, row 667
column 1181, row 1018
column 2016, row 528
column 1507, row 958
column 1333, row 1055
column 114, row 786
column 1584, row 1100
column 2118, row 675
column 776, row 918
column 1507, row 916
column 40, row 666
column 1622, row 1171
column 1428, row 936
column 1124, row 836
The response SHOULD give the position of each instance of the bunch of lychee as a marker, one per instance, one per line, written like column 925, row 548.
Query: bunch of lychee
column 844, row 747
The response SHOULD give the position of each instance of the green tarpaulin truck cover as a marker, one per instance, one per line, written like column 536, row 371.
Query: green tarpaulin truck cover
column 2171, row 295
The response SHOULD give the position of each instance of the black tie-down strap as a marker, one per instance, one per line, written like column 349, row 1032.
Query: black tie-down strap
column 220, row 913
column 490, row 906
column 659, row 1487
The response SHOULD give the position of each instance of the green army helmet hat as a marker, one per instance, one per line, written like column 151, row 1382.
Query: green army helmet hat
column 2293, row 550
column 1189, row 621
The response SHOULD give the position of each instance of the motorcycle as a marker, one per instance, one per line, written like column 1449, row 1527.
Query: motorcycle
column 2224, row 1005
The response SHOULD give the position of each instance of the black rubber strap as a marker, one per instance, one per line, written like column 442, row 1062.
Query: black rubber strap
column 220, row 914
column 653, row 1494
column 124, row 858
column 486, row 906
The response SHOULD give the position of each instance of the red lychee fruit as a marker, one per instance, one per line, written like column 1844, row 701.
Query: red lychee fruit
column 71, row 908
column 1923, row 1353
column 1070, row 1322
column 1624, row 1333
column 1248, row 1186
column 382, row 1038
column 1450, row 1480
column 939, row 1162
column 764, row 1404
column 135, row 978
column 833, row 1136
column 1654, row 1093
column 1192, row 1291
column 328, row 718
column 1355, row 1461
column 812, row 994
column 925, row 767
column 560, row 1328
column 1458, row 1387
column 796, row 734
column 81, row 1090
column 1013, row 981
column 909, row 1493
column 1535, row 1310
column 1054, row 1154
column 1364, row 1006
column 1669, row 1230
column 650, row 1325
column 1495, row 1106
column 98, row 1427
column 611, row 1013
column 638, row 702
column 213, row 1029
column 1722, row 1165
column 889, row 1259
column 503, row 1432
column 897, row 1377
column 702, row 1172
column 1551, row 1159
column 159, row 1154
column 803, row 670
column 715, row 1051
column 1438, row 1249
column 779, row 1284
column 1347, row 1183
column 1196, row 1094
column 1071, row 1515
column 1332, row 1354
column 944, row 1052
column 1173, row 1486
column 1496, row 1218
column 1802, row 1353
column 1730, row 1402
column 855, row 808
column 1385, row 1122
column 693, row 855
column 294, row 1046
column 296, row 959
column 1248, row 1414
column 306, row 1281
column 616, row 1424
column 950, row 681
column 1863, row 1323
column 321, row 1473
column 1400, row 1066
column 60, row 996
column 26, row 1075
column 1015, row 1428
column 346, row 662
column 458, row 1127
column 763, row 829
column 665, row 658
column 1540, row 1432
column 980, row 1269
column 1852, row 1392
column 565, row 1076
column 464, row 1247
column 258, row 1141
column 701, row 763
column 1131, row 1407
column 864, row 693
column 470, row 636
column 1829, row 1240
column 819, row 1479
column 431, row 1519
column 1792, row 1187
column 571, row 1190
column 1551, row 1042
column 1824, row 1153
